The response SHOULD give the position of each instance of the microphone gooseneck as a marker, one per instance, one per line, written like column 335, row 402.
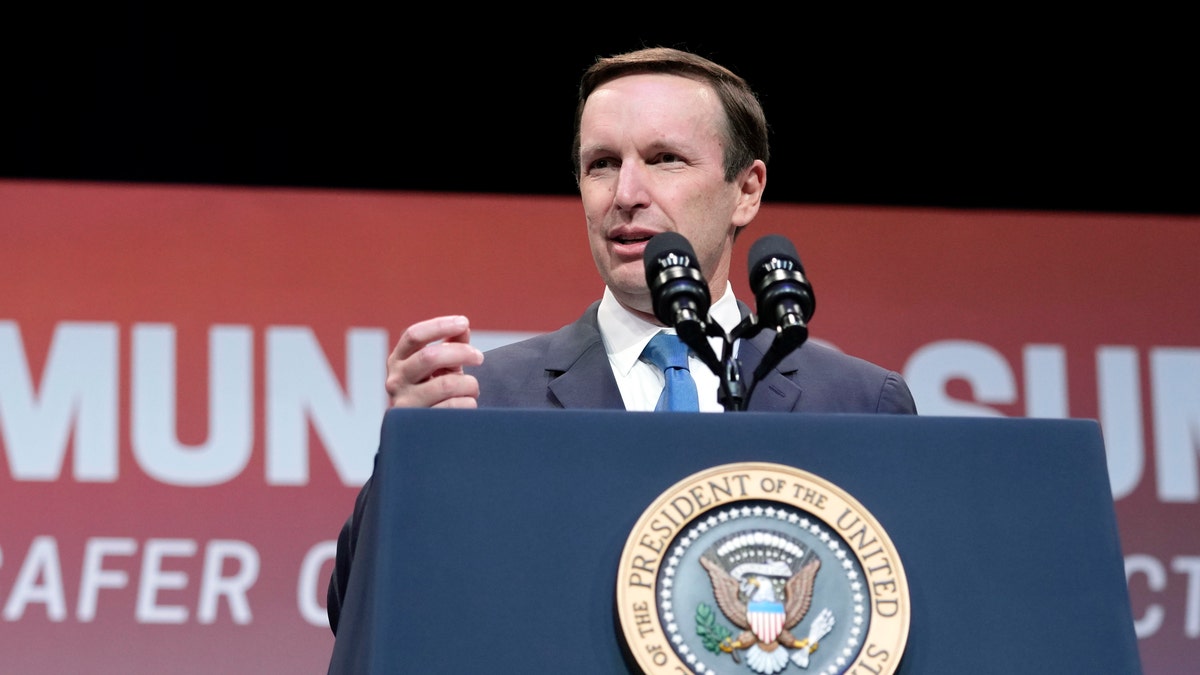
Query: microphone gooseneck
column 677, row 288
column 784, row 297
column 681, row 299
column 680, row 296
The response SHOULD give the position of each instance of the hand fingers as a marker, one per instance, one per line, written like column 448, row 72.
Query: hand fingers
column 426, row 367
column 433, row 360
column 453, row 390
column 417, row 336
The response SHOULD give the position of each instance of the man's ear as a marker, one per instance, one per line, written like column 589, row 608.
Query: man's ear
column 752, row 181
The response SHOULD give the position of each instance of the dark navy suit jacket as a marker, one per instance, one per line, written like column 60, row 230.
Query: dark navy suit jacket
column 569, row 369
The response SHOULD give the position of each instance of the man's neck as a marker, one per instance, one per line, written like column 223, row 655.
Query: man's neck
column 719, row 300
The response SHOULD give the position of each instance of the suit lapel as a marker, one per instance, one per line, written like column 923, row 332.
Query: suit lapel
column 578, row 370
column 588, row 382
column 776, row 392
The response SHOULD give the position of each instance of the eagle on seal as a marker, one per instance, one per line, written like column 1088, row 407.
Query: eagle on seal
column 750, row 601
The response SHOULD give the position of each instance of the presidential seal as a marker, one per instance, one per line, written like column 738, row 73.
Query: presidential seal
column 761, row 568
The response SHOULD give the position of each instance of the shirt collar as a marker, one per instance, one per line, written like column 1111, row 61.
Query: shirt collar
column 625, row 334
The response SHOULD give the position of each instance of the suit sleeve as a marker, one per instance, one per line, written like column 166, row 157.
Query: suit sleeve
column 895, row 397
column 347, row 542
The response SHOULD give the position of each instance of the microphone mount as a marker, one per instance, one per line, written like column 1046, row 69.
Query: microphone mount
column 681, row 299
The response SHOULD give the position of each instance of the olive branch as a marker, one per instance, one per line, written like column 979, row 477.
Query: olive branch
column 710, row 632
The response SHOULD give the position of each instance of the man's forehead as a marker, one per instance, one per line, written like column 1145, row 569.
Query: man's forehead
column 652, row 101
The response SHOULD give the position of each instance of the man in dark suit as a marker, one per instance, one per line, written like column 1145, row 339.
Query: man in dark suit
column 665, row 141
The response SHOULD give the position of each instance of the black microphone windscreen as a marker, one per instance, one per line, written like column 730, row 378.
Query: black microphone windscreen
column 764, row 250
column 664, row 243
column 777, row 279
column 677, row 288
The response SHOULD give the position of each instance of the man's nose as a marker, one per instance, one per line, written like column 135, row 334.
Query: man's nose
column 632, row 186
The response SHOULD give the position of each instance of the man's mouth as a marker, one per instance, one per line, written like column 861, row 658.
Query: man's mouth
column 627, row 236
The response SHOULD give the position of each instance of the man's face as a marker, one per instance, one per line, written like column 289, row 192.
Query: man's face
column 651, row 155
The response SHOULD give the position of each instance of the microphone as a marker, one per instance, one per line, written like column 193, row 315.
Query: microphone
column 677, row 288
column 784, row 297
column 679, row 292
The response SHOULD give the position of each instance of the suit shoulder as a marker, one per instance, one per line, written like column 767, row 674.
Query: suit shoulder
column 852, row 380
column 518, row 374
column 818, row 353
column 508, row 364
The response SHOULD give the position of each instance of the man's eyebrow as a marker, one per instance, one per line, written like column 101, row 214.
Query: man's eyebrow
column 659, row 144
column 595, row 147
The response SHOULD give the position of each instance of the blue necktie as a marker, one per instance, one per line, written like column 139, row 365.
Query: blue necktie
column 671, row 356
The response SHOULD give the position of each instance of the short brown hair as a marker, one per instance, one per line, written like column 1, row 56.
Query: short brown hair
column 746, row 129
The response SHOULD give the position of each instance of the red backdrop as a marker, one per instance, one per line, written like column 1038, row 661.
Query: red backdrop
column 168, row 514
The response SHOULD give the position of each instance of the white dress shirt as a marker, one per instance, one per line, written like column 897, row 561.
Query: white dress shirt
column 625, row 336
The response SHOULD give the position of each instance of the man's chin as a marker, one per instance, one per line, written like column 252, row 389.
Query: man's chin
column 637, row 300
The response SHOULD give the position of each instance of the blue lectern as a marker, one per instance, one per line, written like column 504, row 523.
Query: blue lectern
column 491, row 539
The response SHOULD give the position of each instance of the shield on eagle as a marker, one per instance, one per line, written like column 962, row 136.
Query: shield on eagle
column 766, row 619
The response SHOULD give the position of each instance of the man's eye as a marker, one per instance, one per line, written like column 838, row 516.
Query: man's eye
column 669, row 158
column 600, row 164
